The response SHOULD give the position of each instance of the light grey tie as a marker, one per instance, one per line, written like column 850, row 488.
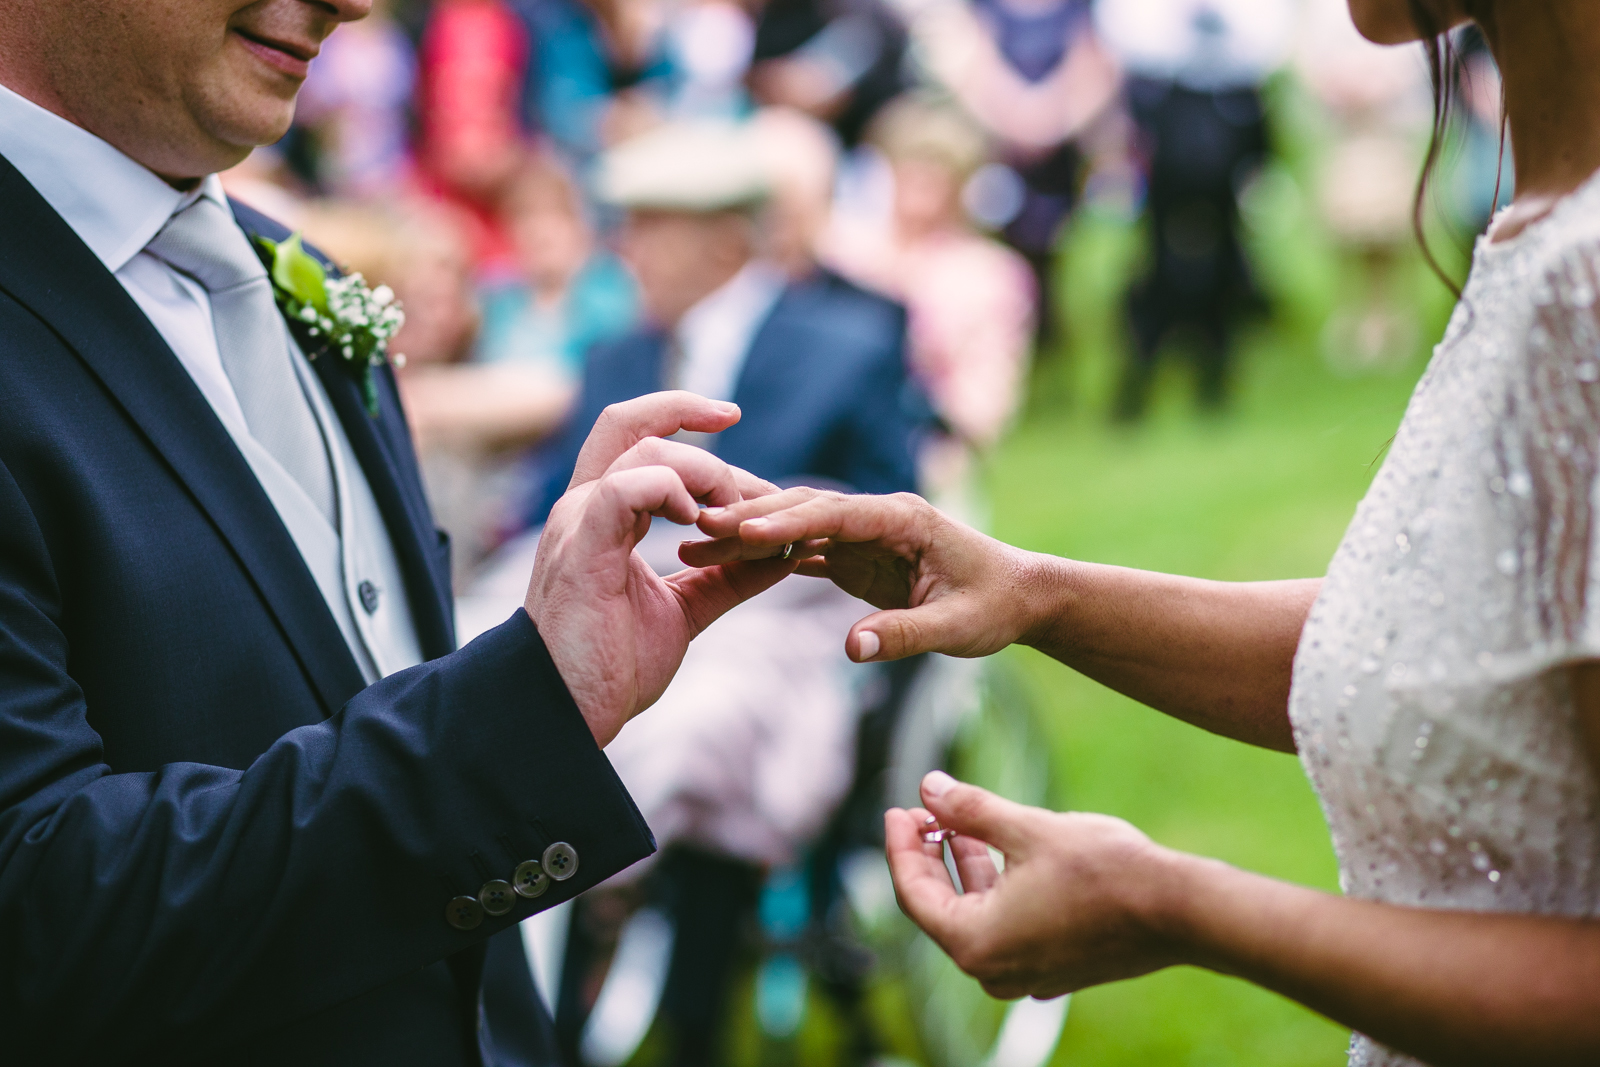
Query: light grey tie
column 204, row 242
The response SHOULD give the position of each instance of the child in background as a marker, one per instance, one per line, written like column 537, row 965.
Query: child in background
column 971, row 300
column 570, row 292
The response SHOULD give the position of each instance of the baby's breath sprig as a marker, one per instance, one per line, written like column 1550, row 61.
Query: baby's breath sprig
column 334, row 314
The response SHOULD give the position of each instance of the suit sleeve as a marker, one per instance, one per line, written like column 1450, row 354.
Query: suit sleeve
column 888, row 419
column 217, row 902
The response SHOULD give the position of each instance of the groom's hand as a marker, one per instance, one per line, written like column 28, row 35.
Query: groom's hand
column 615, row 630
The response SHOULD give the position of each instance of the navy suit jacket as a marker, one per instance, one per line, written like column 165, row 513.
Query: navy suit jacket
column 216, row 844
column 823, row 392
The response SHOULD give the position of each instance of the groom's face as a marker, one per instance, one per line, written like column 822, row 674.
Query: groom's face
column 186, row 87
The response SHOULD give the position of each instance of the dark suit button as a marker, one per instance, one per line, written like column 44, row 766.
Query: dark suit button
column 560, row 861
column 369, row 596
column 529, row 879
column 496, row 897
column 464, row 913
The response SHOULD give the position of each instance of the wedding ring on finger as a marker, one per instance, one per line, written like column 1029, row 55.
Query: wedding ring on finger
column 788, row 550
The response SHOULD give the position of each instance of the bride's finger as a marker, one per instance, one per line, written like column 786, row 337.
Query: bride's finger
column 729, row 549
column 921, row 882
column 974, row 863
column 621, row 426
column 724, row 522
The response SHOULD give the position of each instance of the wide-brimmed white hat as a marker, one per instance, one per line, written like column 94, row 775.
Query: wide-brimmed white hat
column 697, row 166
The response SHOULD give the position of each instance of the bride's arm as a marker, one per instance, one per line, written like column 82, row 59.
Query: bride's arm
column 1086, row 899
column 1217, row 654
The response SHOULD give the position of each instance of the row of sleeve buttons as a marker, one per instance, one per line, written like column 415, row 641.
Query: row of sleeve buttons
column 531, row 879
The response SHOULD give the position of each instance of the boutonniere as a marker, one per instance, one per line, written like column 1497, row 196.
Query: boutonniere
column 333, row 315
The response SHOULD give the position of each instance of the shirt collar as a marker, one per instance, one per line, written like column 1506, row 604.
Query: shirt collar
column 738, row 304
column 113, row 203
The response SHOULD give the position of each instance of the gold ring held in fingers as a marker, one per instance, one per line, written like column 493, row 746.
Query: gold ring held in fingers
column 788, row 550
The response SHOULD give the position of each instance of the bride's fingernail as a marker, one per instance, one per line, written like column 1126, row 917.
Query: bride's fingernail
column 754, row 523
column 867, row 644
column 937, row 783
column 712, row 513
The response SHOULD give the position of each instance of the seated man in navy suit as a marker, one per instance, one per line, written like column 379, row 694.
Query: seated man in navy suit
column 816, row 364
column 255, row 806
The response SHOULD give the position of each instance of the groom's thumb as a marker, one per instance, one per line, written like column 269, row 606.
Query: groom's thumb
column 975, row 812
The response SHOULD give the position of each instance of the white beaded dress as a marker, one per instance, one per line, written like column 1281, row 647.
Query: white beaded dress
column 1430, row 704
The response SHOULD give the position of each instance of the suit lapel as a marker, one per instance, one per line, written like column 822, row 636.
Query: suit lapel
column 383, row 448
column 767, row 367
column 51, row 271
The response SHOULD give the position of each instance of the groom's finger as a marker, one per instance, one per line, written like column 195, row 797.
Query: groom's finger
column 621, row 426
column 613, row 511
column 708, row 593
column 707, row 478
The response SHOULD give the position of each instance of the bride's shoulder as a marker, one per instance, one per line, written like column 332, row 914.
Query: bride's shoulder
column 1554, row 258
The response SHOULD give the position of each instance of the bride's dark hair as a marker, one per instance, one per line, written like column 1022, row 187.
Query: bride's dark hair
column 1444, row 72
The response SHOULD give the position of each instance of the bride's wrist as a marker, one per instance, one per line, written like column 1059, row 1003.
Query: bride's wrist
column 1189, row 905
column 1044, row 590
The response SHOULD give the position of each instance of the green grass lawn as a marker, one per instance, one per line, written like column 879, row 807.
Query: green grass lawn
column 1262, row 492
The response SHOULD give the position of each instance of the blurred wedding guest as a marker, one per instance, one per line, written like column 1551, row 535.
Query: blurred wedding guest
column 1377, row 99
column 472, row 63
column 971, row 300
column 1036, row 77
column 1195, row 70
column 354, row 107
column 836, row 60
column 569, row 292
column 710, row 44
column 469, row 420
column 801, row 156
column 1485, row 177
column 817, row 367
column 595, row 72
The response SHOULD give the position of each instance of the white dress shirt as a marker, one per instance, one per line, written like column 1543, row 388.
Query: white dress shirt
column 714, row 335
column 117, row 206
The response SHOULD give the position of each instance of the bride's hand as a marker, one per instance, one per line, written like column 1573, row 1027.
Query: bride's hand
column 1080, row 900
column 615, row 630
column 944, row 586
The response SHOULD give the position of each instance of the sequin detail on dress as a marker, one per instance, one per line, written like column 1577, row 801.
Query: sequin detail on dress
column 1428, row 703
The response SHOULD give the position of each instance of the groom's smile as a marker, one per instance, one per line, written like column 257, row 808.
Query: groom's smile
column 185, row 87
column 293, row 59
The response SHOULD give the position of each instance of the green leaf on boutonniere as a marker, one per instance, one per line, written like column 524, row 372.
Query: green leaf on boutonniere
column 297, row 272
